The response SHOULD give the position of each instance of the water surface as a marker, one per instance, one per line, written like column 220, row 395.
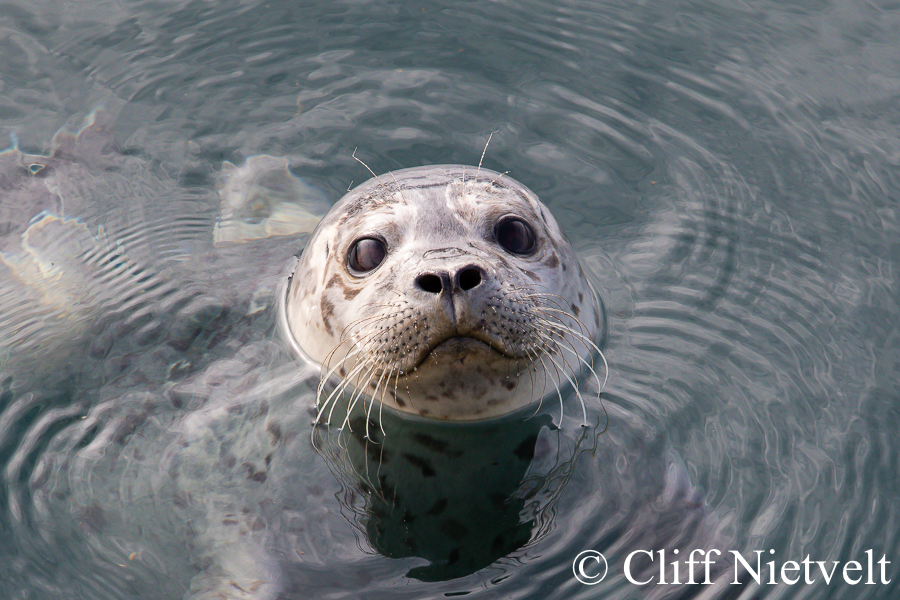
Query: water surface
column 729, row 171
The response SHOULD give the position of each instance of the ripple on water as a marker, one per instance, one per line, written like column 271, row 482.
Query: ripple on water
column 730, row 173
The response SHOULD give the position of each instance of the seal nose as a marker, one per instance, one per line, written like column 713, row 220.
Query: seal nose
column 465, row 279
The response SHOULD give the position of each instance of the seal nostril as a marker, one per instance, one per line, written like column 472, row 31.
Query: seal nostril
column 430, row 283
column 469, row 278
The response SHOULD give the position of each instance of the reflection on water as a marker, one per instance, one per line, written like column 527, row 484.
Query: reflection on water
column 728, row 170
column 460, row 497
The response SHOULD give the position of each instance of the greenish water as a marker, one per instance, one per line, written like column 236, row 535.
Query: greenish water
column 730, row 171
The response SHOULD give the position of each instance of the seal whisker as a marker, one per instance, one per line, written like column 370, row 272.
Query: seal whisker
column 570, row 348
column 360, row 391
column 342, row 386
column 359, row 160
column 374, row 395
column 548, row 300
column 555, row 384
column 590, row 346
column 544, row 331
column 399, row 188
column 558, row 321
column 359, row 346
column 480, row 160
column 556, row 327
column 553, row 299
column 589, row 365
column 553, row 346
column 494, row 180
column 327, row 371
column 534, row 353
column 362, row 320
column 322, row 404
column 372, row 365
column 364, row 374
column 346, row 337
column 574, row 385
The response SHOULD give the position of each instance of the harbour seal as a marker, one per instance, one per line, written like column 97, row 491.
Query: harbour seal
column 447, row 292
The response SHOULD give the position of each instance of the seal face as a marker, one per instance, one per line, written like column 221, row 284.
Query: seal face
column 447, row 292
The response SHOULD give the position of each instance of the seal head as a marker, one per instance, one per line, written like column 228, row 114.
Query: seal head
column 447, row 292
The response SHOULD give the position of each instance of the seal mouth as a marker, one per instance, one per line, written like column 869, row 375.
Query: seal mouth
column 458, row 347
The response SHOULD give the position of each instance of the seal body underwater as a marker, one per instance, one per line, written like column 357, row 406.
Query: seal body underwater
column 447, row 292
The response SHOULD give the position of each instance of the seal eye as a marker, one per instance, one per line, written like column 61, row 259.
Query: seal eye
column 515, row 235
column 366, row 254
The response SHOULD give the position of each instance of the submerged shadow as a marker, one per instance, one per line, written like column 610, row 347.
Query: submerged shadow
column 459, row 496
